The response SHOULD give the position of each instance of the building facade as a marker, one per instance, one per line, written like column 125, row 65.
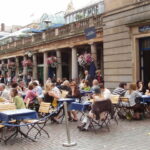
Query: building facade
column 120, row 48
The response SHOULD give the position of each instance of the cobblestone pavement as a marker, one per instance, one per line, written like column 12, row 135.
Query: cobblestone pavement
column 127, row 135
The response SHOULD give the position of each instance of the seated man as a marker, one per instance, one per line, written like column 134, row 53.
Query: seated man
column 86, row 121
column 4, row 93
column 121, row 90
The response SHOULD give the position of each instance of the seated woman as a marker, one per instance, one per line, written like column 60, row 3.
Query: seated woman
column 75, row 93
column 71, row 91
column 105, row 92
column 97, row 96
column 51, row 94
column 18, row 100
column 133, row 94
column 140, row 87
column 30, row 94
column 86, row 86
column 148, row 90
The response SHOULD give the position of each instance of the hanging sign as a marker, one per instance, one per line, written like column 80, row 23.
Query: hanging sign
column 144, row 28
column 90, row 33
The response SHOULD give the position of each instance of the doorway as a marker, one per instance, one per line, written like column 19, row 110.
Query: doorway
column 144, row 45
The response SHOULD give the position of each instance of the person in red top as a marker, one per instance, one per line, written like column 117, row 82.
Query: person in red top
column 99, row 76
column 31, row 94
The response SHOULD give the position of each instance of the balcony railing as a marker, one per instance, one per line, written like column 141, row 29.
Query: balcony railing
column 53, row 34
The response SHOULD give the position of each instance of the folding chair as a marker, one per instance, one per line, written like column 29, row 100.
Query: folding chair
column 125, row 107
column 1, row 128
column 115, row 102
column 104, row 107
column 40, row 124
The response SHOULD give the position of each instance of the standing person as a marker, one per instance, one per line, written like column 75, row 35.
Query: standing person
column 18, row 100
column 99, row 76
column 121, row 90
column 88, row 77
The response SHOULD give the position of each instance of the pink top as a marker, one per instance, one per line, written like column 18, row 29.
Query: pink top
column 30, row 94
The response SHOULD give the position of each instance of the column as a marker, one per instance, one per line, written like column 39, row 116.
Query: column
column 45, row 67
column 9, row 70
column 24, row 68
column 74, row 64
column 34, row 74
column 3, row 72
column 17, row 67
column 94, row 53
column 59, row 66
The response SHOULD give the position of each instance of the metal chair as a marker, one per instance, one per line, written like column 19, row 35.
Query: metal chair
column 105, row 108
column 40, row 124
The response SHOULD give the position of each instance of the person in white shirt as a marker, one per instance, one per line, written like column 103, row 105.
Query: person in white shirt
column 105, row 92
column 4, row 93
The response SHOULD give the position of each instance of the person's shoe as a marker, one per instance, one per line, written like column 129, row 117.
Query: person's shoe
column 74, row 120
column 83, row 129
column 70, row 119
column 54, row 120
column 81, row 126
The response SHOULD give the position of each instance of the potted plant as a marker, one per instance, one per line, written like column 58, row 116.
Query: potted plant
column 52, row 61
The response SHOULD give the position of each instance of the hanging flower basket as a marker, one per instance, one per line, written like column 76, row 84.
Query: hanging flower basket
column 52, row 61
column 85, row 59
column 3, row 67
column 27, row 63
column 11, row 65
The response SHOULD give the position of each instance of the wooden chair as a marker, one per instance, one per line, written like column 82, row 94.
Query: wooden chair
column 9, row 106
column 125, row 107
column 114, row 99
column 40, row 124
column 44, row 107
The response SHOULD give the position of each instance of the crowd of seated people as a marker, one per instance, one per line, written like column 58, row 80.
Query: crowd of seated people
column 54, row 90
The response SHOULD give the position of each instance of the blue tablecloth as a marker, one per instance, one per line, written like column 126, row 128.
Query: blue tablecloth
column 18, row 114
column 145, row 99
column 80, row 106
column 68, row 100
column 85, row 92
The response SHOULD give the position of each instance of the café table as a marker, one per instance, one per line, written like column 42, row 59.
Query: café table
column 19, row 115
column 81, row 107
column 83, row 93
column 145, row 99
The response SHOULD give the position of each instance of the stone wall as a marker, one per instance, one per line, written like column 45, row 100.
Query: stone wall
column 117, row 35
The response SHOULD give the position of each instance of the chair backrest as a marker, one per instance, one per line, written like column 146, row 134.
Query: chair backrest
column 102, row 106
column 114, row 99
column 10, row 106
column 44, row 107
column 3, row 107
column 2, row 99
column 124, row 99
